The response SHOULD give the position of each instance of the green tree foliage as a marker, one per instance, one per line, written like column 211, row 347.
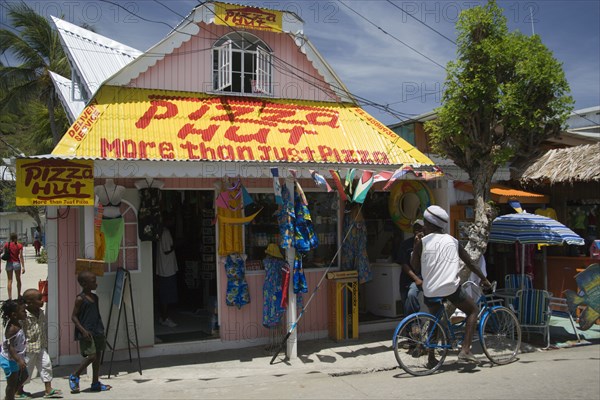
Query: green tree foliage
column 35, row 44
column 505, row 94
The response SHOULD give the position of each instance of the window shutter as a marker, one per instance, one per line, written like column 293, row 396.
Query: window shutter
column 224, row 73
column 263, row 71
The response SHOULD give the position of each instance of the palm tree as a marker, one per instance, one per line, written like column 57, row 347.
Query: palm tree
column 36, row 45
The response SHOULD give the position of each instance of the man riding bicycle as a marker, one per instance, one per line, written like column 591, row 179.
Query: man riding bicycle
column 436, row 257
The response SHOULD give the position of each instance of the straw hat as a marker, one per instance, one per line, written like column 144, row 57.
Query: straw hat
column 273, row 251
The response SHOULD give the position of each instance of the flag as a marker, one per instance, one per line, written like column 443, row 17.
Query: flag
column 320, row 180
column 362, row 187
column 349, row 179
column 382, row 176
column 397, row 174
column 246, row 198
column 276, row 185
column 335, row 175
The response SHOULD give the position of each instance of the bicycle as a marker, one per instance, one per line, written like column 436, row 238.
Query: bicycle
column 421, row 340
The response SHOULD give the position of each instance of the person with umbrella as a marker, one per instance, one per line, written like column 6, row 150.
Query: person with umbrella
column 436, row 257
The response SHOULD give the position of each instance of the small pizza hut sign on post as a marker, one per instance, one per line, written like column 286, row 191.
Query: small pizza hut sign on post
column 55, row 182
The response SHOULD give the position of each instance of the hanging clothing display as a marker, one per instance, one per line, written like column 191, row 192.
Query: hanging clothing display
column 300, row 284
column 109, row 196
column 285, row 287
column 229, row 205
column 354, row 248
column 305, row 238
column 149, row 218
column 237, row 288
column 273, row 310
column 112, row 229
column 285, row 219
column 99, row 240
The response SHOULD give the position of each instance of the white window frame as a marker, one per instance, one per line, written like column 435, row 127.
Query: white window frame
column 224, row 75
column 263, row 71
column 223, row 69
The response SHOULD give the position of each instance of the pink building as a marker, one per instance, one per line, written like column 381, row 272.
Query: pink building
column 229, row 95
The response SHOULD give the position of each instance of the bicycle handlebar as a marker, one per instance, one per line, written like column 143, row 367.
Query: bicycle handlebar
column 493, row 287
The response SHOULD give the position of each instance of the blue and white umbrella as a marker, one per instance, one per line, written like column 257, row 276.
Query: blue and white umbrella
column 528, row 228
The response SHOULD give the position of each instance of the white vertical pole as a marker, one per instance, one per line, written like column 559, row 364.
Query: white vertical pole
column 290, row 255
column 51, row 245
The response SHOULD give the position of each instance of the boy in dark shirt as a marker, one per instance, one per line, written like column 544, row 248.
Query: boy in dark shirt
column 89, row 331
column 410, row 282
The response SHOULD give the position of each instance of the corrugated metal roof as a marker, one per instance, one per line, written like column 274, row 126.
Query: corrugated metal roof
column 63, row 87
column 141, row 124
column 93, row 57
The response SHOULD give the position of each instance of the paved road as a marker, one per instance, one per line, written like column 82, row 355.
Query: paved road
column 557, row 374
column 356, row 369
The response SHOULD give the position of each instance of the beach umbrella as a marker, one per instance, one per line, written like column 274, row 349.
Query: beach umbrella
column 528, row 228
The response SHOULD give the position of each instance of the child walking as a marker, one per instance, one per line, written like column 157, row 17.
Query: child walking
column 12, row 356
column 35, row 326
column 89, row 331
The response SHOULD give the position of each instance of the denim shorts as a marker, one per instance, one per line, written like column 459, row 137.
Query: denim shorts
column 13, row 266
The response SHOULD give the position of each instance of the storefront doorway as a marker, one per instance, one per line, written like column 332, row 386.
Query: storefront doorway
column 194, row 239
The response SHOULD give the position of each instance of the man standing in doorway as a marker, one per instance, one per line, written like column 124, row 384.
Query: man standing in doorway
column 166, row 270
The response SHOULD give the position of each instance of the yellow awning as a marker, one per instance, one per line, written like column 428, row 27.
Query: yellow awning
column 140, row 124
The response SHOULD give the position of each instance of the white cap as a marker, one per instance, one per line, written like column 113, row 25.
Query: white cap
column 436, row 215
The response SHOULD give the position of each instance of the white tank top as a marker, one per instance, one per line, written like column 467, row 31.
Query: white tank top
column 20, row 344
column 439, row 265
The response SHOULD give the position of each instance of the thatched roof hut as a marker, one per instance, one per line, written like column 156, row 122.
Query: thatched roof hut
column 568, row 165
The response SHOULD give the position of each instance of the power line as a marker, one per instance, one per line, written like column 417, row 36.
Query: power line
column 390, row 35
column 421, row 22
column 385, row 108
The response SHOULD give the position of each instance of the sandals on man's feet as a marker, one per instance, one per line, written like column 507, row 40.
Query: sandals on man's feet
column 99, row 387
column 53, row 394
column 74, row 383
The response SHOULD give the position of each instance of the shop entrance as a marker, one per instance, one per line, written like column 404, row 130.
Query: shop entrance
column 194, row 311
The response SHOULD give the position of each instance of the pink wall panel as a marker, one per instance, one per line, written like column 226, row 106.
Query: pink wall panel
column 315, row 316
column 189, row 67
column 245, row 324
column 68, row 249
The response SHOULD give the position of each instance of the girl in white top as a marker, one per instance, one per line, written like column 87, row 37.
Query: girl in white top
column 436, row 255
column 12, row 356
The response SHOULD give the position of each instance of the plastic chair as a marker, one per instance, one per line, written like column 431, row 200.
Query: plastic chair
column 513, row 281
column 534, row 311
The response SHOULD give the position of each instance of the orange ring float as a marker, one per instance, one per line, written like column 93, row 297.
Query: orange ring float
column 408, row 200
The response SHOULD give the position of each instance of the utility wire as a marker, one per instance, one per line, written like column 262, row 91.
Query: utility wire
column 421, row 22
column 389, row 34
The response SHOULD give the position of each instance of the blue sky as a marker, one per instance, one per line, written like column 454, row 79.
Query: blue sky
column 379, row 67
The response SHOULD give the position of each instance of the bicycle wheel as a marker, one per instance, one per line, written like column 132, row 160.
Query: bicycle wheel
column 420, row 345
column 500, row 335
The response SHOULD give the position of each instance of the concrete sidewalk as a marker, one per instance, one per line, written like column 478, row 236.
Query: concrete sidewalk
column 213, row 370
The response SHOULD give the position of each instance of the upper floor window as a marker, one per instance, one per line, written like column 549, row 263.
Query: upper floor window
column 242, row 64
